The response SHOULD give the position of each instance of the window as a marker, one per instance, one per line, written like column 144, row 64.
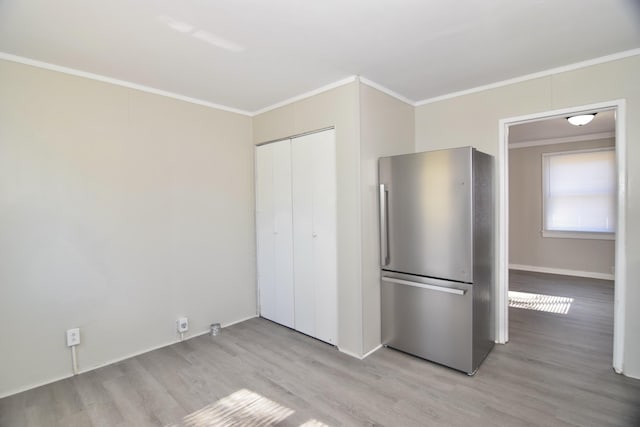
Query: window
column 579, row 194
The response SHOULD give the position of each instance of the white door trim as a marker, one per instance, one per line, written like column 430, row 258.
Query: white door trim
column 502, row 301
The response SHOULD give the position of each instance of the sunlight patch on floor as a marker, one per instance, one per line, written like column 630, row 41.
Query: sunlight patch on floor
column 538, row 302
column 244, row 408
column 314, row 423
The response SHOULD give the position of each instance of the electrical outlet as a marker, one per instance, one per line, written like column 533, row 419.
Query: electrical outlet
column 73, row 337
column 183, row 324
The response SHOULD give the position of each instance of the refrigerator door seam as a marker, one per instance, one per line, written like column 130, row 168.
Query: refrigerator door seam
column 454, row 291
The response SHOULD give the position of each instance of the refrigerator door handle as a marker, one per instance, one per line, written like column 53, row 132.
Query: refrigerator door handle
column 454, row 291
column 384, row 229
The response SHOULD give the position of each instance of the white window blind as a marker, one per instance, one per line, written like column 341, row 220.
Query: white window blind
column 580, row 192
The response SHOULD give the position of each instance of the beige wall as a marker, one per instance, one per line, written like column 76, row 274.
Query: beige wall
column 119, row 212
column 386, row 129
column 473, row 120
column 527, row 247
column 338, row 107
column 369, row 124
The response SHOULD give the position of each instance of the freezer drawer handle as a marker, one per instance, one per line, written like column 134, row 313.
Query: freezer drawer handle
column 384, row 230
column 424, row 286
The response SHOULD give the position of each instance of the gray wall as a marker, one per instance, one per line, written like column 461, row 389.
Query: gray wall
column 119, row 212
column 527, row 247
column 473, row 120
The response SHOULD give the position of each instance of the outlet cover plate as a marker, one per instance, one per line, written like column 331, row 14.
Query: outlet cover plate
column 183, row 324
column 73, row 337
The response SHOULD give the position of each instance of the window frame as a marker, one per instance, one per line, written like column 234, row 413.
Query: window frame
column 571, row 234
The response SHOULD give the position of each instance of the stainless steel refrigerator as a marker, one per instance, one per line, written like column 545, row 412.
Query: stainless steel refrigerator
column 436, row 245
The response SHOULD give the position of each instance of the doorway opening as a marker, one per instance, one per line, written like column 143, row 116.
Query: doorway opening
column 540, row 300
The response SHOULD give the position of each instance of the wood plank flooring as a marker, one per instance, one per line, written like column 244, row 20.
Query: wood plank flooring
column 556, row 371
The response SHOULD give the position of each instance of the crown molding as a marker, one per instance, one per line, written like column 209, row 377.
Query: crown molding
column 334, row 85
column 562, row 271
column 387, row 91
column 347, row 80
column 552, row 141
column 526, row 77
column 118, row 82
column 305, row 95
column 142, row 88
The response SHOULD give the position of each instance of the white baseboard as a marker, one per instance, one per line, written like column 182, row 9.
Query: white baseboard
column 34, row 385
column 348, row 353
column 120, row 359
column 562, row 271
column 187, row 337
column 138, row 353
column 226, row 325
column 369, row 353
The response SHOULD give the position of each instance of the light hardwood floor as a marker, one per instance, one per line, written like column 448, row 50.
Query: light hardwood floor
column 556, row 371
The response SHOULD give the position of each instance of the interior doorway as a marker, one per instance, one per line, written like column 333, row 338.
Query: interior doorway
column 562, row 197
column 618, row 109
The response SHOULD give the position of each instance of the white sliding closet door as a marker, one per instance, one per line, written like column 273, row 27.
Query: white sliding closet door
column 314, row 234
column 274, row 232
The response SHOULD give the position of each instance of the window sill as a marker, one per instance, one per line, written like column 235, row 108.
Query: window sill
column 578, row 235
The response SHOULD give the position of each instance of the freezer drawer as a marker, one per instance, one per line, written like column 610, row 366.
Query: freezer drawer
column 429, row 318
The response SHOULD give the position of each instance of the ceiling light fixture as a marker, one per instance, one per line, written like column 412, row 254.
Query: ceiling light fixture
column 581, row 119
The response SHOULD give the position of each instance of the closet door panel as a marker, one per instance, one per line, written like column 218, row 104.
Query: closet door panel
column 274, row 232
column 314, row 218
column 324, row 232
column 302, row 179
column 265, row 239
column 283, row 247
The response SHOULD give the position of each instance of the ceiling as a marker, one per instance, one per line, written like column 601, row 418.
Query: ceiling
column 251, row 54
column 557, row 128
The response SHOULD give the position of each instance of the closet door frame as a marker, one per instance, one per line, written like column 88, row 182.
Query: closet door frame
column 325, row 322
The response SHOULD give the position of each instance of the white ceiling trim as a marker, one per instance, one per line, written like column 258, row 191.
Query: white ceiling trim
column 124, row 83
column 305, row 95
column 350, row 79
column 117, row 82
column 387, row 91
column 551, row 141
column 545, row 73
